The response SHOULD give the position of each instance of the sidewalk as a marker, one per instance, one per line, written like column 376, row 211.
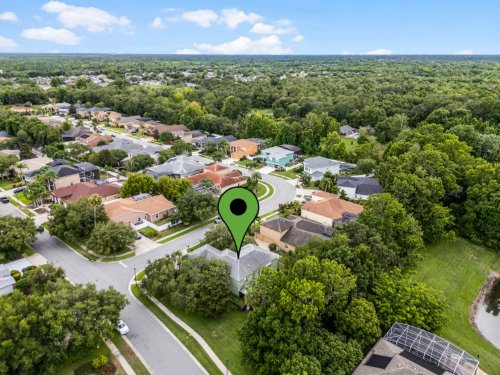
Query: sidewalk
column 123, row 362
column 194, row 334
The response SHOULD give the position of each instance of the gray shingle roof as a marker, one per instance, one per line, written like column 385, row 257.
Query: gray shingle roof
column 363, row 185
column 346, row 128
column 180, row 165
column 65, row 170
column 319, row 162
column 291, row 148
column 277, row 152
column 252, row 258
column 86, row 167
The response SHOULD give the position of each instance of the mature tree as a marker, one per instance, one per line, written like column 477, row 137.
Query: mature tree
column 110, row 238
column 137, row 183
column 328, row 183
column 220, row 238
column 95, row 200
column 301, row 365
column 110, row 158
column 140, row 162
column 397, row 298
column 253, row 182
column 165, row 137
column 193, row 206
column 180, row 147
column 359, row 320
column 15, row 233
column 333, row 147
column 171, row 188
column 55, row 322
column 7, row 163
column 399, row 230
column 234, row 107
column 166, row 155
column 77, row 220
column 197, row 285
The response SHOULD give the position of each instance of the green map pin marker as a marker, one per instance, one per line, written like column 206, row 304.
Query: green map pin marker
column 238, row 207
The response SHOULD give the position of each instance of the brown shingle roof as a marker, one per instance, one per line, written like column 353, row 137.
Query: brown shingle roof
column 85, row 190
column 151, row 206
column 331, row 206
column 220, row 180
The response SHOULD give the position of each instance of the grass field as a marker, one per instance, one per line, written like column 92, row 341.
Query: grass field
column 23, row 198
column 187, row 340
column 221, row 334
column 7, row 184
column 350, row 143
column 459, row 269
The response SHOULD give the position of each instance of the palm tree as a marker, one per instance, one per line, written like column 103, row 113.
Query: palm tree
column 20, row 165
column 95, row 201
column 254, row 181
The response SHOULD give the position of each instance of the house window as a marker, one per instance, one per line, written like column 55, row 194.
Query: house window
column 157, row 216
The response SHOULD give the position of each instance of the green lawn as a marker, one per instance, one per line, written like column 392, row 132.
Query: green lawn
column 221, row 335
column 188, row 341
column 187, row 229
column 129, row 354
column 247, row 163
column 291, row 174
column 459, row 269
column 262, row 192
column 13, row 201
column 7, row 184
column 23, row 198
column 350, row 143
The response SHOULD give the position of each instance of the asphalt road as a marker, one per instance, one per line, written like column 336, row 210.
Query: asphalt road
column 158, row 347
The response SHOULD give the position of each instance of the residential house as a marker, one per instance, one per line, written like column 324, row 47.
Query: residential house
column 346, row 167
column 216, row 139
column 277, row 157
column 139, row 208
column 259, row 141
column 84, row 190
column 131, row 148
column 196, row 135
column 295, row 149
column 21, row 109
column 347, row 130
column 328, row 209
column 72, row 134
column 317, row 166
column 291, row 232
column 359, row 187
column 252, row 258
column 89, row 112
column 35, row 164
column 408, row 350
column 243, row 148
column 54, row 121
column 178, row 167
column 68, row 174
column 178, row 131
column 103, row 115
column 221, row 177
column 7, row 282
column 131, row 123
column 3, row 136
column 93, row 140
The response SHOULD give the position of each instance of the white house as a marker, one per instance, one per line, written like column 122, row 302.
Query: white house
column 317, row 166
column 6, row 281
column 359, row 187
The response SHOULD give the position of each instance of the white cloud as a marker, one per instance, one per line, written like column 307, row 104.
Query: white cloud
column 7, row 44
column 158, row 23
column 232, row 17
column 298, row 38
column 379, row 51
column 92, row 19
column 187, row 51
column 265, row 28
column 202, row 17
column 49, row 34
column 8, row 16
column 464, row 52
column 269, row 45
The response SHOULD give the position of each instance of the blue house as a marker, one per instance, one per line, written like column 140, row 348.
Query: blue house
column 277, row 156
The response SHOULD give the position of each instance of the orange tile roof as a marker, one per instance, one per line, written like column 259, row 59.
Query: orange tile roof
column 216, row 168
column 93, row 139
column 220, row 180
column 242, row 143
column 150, row 206
column 331, row 206
column 85, row 190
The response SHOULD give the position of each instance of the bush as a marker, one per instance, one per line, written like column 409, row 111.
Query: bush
column 29, row 268
column 149, row 232
column 100, row 361
column 24, row 285
column 272, row 246
column 15, row 274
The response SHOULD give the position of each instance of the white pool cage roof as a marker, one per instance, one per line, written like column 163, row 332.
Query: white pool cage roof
column 432, row 348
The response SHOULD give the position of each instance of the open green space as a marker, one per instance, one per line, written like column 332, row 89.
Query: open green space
column 23, row 198
column 290, row 174
column 350, row 143
column 247, row 163
column 129, row 354
column 187, row 340
column 184, row 230
column 262, row 192
column 221, row 334
column 13, row 201
column 459, row 269
column 7, row 184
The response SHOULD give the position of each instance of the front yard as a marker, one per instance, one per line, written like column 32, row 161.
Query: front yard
column 290, row 174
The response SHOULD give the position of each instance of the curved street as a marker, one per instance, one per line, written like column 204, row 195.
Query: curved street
column 158, row 347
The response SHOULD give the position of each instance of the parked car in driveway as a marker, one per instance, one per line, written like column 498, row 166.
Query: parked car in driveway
column 19, row 190
column 4, row 200
column 122, row 327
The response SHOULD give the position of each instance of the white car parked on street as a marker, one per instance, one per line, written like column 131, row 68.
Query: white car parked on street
column 122, row 327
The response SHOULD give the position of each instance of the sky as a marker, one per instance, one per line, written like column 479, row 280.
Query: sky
column 313, row 27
